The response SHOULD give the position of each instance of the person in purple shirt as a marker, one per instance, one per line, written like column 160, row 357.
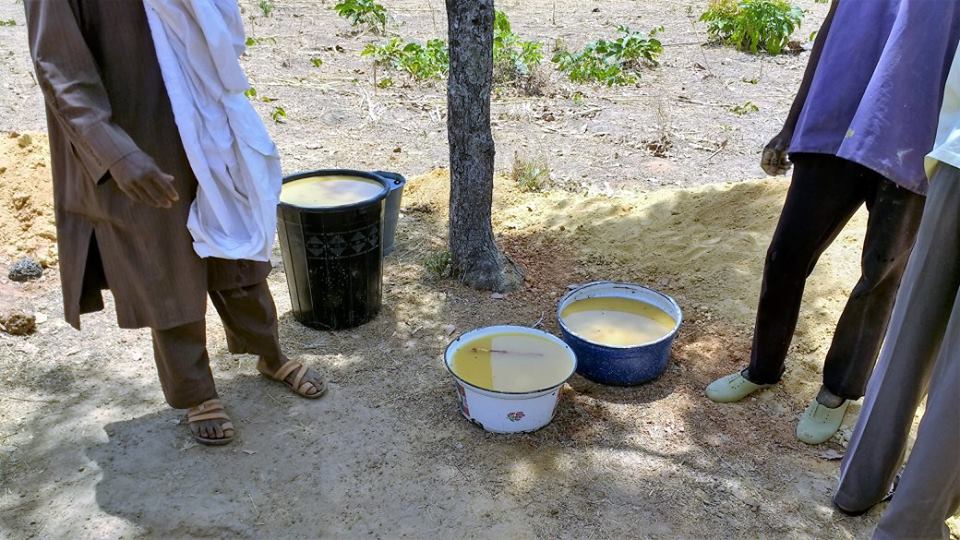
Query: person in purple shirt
column 864, row 117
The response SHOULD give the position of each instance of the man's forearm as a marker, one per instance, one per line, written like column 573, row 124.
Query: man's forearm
column 72, row 87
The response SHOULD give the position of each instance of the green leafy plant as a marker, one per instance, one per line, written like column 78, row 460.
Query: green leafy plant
column 267, row 7
column 612, row 62
column 530, row 175
column 8, row 22
column 363, row 12
column 277, row 114
column 317, row 62
column 513, row 57
column 254, row 41
column 744, row 108
column 751, row 25
column 422, row 62
column 438, row 264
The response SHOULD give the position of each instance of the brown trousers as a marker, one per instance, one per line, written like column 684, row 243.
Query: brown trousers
column 250, row 320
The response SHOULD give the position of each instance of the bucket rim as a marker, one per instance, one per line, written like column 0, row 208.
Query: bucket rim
column 395, row 179
column 337, row 172
column 447, row 358
column 624, row 285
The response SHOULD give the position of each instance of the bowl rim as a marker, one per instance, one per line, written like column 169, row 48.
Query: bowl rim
column 510, row 328
column 668, row 336
column 336, row 172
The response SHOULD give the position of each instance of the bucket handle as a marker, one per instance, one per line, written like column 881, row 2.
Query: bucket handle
column 390, row 177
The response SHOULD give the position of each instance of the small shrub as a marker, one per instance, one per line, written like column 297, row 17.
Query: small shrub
column 612, row 62
column 661, row 144
column 744, row 108
column 750, row 25
column 438, row 264
column 317, row 62
column 278, row 115
column 530, row 175
column 267, row 7
column 513, row 58
column 254, row 41
column 422, row 62
column 363, row 13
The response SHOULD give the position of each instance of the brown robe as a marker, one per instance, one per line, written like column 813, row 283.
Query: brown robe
column 105, row 98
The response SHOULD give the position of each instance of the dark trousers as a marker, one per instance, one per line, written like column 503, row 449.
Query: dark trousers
column 250, row 320
column 825, row 193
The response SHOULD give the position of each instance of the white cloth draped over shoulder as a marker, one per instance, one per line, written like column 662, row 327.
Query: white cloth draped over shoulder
column 237, row 166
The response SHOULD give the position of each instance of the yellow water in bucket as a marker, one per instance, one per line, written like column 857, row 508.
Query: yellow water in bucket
column 329, row 191
column 617, row 321
column 512, row 363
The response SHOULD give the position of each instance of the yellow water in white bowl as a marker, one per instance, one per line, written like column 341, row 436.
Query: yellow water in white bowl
column 512, row 362
column 329, row 191
column 616, row 321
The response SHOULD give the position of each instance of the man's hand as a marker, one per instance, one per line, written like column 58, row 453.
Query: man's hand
column 774, row 160
column 139, row 178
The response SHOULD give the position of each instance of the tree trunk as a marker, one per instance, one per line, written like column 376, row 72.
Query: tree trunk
column 476, row 259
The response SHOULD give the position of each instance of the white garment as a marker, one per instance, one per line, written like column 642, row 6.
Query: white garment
column 198, row 43
column 947, row 146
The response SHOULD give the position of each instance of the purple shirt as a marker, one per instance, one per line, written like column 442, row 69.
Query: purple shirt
column 875, row 97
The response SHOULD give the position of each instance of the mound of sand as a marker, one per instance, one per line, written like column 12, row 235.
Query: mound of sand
column 705, row 244
column 27, row 224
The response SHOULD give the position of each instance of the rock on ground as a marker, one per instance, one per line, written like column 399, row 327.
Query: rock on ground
column 25, row 269
column 18, row 323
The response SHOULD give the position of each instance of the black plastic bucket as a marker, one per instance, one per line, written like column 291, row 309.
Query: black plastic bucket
column 333, row 257
column 392, row 210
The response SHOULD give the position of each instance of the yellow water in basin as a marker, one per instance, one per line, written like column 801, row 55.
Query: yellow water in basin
column 617, row 322
column 329, row 191
column 512, row 362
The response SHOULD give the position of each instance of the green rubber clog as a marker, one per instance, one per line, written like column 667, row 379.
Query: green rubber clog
column 820, row 422
column 732, row 388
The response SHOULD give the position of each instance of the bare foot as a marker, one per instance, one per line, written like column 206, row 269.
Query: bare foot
column 303, row 380
column 209, row 423
column 209, row 429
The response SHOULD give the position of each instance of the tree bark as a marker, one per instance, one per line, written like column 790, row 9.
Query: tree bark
column 475, row 257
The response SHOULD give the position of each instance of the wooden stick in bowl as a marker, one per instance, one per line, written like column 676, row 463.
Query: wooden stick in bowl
column 499, row 351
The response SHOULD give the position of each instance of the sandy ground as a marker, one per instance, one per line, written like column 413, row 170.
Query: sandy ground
column 336, row 117
column 88, row 448
column 27, row 224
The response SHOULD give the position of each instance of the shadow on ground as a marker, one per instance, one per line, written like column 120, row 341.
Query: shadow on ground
column 386, row 453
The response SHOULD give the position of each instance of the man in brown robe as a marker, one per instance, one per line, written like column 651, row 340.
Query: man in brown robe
column 122, row 192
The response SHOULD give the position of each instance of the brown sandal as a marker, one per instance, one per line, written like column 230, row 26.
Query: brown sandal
column 298, row 385
column 211, row 409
